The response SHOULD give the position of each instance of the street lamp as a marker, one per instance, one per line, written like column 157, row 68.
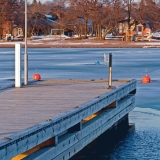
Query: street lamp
column 25, row 53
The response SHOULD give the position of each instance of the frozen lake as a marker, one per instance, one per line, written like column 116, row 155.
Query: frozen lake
column 54, row 63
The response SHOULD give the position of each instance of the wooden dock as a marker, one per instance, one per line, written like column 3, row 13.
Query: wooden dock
column 39, row 102
column 24, row 107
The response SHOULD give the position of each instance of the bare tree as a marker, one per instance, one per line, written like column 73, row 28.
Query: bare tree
column 84, row 8
column 129, row 11
column 3, row 5
column 112, row 13
column 8, row 15
column 147, row 11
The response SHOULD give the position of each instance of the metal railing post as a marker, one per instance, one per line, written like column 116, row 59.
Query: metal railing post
column 110, row 71
column 25, row 54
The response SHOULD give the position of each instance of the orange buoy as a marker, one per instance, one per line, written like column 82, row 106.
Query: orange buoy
column 146, row 79
column 36, row 77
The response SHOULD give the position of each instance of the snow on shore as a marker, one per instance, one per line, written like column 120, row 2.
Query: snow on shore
column 62, row 42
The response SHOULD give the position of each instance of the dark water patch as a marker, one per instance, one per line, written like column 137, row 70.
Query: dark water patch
column 105, row 143
column 141, row 144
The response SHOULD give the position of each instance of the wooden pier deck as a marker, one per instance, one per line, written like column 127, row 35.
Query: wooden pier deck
column 24, row 107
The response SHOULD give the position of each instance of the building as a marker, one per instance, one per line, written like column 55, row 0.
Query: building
column 139, row 30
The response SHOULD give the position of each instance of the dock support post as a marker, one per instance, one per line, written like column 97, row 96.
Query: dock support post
column 18, row 65
column 110, row 71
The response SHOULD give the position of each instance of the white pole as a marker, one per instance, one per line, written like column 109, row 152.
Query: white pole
column 18, row 65
column 25, row 54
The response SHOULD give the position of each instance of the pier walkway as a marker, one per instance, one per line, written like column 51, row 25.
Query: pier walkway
column 29, row 112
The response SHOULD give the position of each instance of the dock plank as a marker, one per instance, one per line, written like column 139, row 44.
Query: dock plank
column 24, row 107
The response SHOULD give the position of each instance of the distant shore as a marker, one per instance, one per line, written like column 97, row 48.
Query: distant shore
column 87, row 43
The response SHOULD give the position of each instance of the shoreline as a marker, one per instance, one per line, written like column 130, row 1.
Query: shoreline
column 40, row 43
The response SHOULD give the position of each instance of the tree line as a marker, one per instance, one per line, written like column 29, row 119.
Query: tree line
column 79, row 16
